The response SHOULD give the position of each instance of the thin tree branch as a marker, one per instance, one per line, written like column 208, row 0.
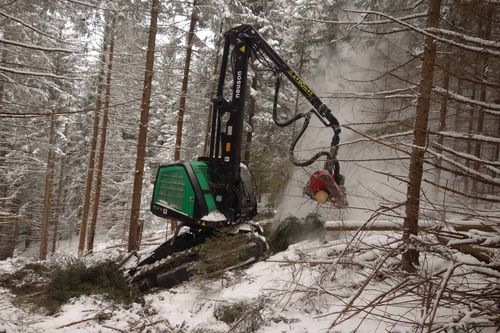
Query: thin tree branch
column 35, row 47
column 54, row 76
column 428, row 34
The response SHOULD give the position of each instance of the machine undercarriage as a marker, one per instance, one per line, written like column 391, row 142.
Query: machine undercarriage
column 185, row 255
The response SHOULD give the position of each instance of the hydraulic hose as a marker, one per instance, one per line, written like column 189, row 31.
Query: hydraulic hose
column 335, row 140
column 275, row 108
column 294, row 143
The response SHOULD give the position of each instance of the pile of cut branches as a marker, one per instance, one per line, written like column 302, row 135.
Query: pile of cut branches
column 51, row 286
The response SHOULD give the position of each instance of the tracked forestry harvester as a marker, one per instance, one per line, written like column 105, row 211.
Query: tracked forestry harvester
column 217, row 191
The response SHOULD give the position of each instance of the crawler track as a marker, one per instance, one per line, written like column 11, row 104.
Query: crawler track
column 178, row 267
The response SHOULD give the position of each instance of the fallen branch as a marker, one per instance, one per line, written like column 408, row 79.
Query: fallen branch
column 361, row 289
column 480, row 254
column 99, row 317
column 114, row 328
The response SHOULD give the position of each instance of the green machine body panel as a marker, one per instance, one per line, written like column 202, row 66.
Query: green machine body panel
column 174, row 189
column 201, row 171
column 182, row 192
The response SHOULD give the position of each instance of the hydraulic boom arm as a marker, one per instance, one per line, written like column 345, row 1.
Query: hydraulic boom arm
column 244, row 43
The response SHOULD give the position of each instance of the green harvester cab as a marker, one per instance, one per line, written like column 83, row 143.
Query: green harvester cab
column 182, row 192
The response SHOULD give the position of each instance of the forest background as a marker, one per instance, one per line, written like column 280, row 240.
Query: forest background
column 95, row 95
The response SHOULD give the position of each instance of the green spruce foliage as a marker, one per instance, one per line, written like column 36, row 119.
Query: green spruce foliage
column 51, row 287
column 293, row 230
column 221, row 251
column 391, row 128
column 242, row 316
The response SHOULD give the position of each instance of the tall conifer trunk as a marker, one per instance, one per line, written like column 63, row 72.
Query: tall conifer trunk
column 458, row 116
column 60, row 190
column 185, row 80
column 443, row 111
column 486, row 34
column 133, row 236
column 102, row 145
column 410, row 254
column 4, row 188
column 93, row 142
column 470, row 128
column 47, row 197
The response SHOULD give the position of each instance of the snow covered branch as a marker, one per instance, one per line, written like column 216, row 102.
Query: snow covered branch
column 485, row 163
column 85, row 3
column 13, row 18
column 51, row 113
column 54, row 76
column 466, row 171
column 479, row 41
column 388, row 94
column 368, row 138
column 487, row 198
column 35, row 47
column 469, row 136
column 362, row 22
column 378, row 140
column 459, row 98
column 424, row 32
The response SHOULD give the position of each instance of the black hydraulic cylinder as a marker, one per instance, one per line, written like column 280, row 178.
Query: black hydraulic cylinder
column 233, row 132
column 218, row 107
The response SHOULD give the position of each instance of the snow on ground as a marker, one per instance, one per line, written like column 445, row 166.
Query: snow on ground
column 189, row 306
column 303, row 289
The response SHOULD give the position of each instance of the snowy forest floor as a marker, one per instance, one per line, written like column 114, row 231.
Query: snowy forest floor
column 347, row 282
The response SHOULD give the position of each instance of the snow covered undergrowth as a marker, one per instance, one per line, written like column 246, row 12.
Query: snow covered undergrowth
column 340, row 285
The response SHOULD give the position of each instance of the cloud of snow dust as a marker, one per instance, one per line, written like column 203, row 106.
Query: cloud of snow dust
column 335, row 72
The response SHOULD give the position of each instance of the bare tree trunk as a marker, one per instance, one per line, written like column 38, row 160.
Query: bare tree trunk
column 457, row 143
column 458, row 116
column 486, row 34
column 3, row 60
column 102, row 145
column 93, row 143
column 60, row 190
column 185, row 80
column 410, row 255
column 47, row 198
column 4, row 189
column 9, row 224
column 385, row 115
column 468, row 148
column 442, row 116
column 251, row 113
column 496, row 156
column 212, row 90
column 143, row 132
